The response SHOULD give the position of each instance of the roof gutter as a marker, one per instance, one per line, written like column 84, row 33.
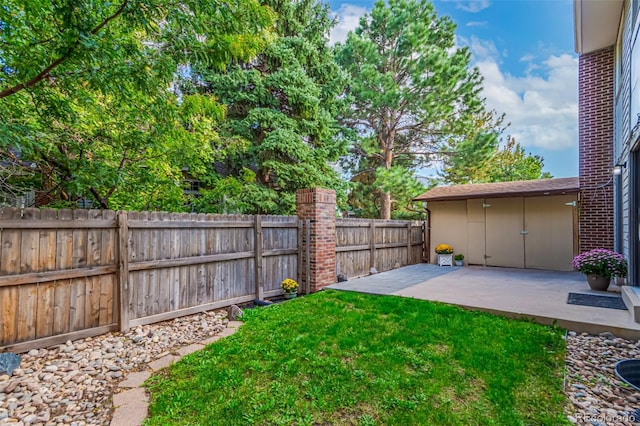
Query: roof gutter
column 577, row 25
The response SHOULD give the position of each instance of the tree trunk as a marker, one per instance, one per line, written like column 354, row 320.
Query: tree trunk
column 385, row 197
column 385, row 205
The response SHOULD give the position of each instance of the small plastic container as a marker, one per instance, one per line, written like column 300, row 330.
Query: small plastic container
column 628, row 370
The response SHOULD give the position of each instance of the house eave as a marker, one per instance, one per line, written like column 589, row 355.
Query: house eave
column 595, row 24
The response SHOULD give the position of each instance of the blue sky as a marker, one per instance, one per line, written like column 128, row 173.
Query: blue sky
column 524, row 50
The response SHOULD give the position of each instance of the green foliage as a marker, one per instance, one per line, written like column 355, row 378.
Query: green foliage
column 411, row 90
column 242, row 194
column 281, row 108
column 85, row 105
column 512, row 163
column 482, row 160
column 311, row 361
column 469, row 160
column 364, row 197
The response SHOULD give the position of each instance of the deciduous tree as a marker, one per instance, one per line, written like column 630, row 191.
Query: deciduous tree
column 85, row 105
column 483, row 160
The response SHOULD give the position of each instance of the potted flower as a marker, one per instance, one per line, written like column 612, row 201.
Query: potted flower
column 458, row 258
column 290, row 288
column 445, row 254
column 599, row 265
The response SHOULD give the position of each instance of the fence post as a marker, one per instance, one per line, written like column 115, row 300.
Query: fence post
column 319, row 205
column 123, row 270
column 372, row 244
column 258, row 243
column 300, row 248
column 409, row 243
column 426, row 235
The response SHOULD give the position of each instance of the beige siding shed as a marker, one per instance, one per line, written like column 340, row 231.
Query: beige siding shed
column 521, row 224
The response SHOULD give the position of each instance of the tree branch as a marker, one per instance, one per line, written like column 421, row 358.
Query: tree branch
column 102, row 201
column 45, row 73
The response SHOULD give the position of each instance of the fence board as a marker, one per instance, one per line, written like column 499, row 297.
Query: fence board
column 164, row 274
column 78, row 288
column 152, row 299
column 27, row 300
column 46, row 290
column 93, row 287
column 176, row 235
column 124, row 256
column 108, row 283
column 64, row 260
column 258, row 244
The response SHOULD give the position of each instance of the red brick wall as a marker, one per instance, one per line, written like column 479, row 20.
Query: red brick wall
column 595, row 97
column 319, row 206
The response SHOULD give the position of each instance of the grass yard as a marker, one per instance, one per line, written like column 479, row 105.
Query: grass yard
column 348, row 358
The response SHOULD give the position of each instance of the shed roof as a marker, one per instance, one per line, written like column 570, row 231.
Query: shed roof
column 520, row 188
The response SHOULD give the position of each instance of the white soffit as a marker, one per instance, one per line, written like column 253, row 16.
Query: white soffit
column 595, row 23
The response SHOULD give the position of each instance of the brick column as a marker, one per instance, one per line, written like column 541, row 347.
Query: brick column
column 319, row 206
column 595, row 146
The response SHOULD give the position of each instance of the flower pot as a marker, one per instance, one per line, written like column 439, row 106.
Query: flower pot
column 459, row 262
column 290, row 295
column 597, row 282
column 445, row 259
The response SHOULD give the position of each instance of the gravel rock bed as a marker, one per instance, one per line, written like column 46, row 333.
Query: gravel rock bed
column 72, row 384
column 597, row 397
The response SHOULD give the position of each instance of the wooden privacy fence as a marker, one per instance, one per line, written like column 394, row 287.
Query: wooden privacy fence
column 70, row 274
column 362, row 244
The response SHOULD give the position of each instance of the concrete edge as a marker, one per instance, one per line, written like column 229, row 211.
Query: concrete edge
column 632, row 302
column 577, row 326
column 131, row 404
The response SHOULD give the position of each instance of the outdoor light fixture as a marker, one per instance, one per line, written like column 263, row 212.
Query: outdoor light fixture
column 617, row 169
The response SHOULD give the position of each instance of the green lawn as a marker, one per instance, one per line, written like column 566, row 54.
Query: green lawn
column 348, row 358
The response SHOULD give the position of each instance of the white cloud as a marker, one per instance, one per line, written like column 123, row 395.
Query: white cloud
column 481, row 49
column 348, row 20
column 477, row 24
column 542, row 107
column 473, row 6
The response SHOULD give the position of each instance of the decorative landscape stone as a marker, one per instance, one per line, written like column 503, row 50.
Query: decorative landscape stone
column 9, row 362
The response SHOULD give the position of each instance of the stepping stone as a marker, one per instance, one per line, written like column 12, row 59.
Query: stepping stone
column 163, row 362
column 135, row 379
column 131, row 407
column 190, row 349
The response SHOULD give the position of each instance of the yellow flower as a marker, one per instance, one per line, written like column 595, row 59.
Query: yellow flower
column 289, row 285
column 444, row 249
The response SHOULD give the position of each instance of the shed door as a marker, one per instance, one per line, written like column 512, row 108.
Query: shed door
column 504, row 226
column 549, row 238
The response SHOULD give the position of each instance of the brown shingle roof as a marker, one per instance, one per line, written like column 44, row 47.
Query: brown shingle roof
column 526, row 188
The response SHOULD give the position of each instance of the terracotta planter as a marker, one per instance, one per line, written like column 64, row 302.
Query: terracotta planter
column 596, row 282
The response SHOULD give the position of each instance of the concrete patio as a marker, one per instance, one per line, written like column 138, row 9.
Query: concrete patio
column 514, row 293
